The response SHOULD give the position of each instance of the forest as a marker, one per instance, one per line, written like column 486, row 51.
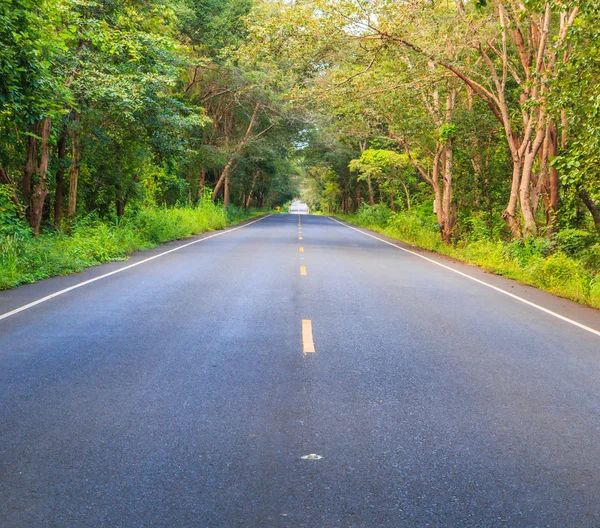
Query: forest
column 468, row 128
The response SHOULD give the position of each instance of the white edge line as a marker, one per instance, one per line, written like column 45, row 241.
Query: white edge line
column 85, row 283
column 500, row 290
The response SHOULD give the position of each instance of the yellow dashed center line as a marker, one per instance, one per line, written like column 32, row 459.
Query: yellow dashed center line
column 302, row 270
column 299, row 238
column 308, row 345
column 301, row 249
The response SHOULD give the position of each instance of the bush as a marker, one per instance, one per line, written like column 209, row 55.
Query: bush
column 522, row 251
column 573, row 241
column 12, row 216
column 374, row 215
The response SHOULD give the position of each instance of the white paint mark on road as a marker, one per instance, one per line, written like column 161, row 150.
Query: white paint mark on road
column 85, row 283
column 308, row 345
column 500, row 290
column 312, row 456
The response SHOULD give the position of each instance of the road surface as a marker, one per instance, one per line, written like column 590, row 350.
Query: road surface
column 185, row 390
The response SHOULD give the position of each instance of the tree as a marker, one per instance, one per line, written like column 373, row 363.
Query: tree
column 386, row 166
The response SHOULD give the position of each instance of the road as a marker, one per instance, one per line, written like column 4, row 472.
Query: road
column 183, row 391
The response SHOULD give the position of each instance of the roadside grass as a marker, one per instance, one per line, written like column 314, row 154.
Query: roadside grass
column 558, row 266
column 25, row 259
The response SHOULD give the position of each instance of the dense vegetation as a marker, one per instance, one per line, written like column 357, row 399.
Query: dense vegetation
column 472, row 128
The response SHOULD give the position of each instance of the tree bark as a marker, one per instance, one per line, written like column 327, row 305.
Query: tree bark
column 370, row 188
column 448, row 208
column 226, row 193
column 61, row 148
column 74, row 170
column 249, row 198
column 30, row 166
column 40, row 188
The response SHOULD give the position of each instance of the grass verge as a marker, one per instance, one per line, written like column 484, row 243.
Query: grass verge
column 25, row 259
column 545, row 264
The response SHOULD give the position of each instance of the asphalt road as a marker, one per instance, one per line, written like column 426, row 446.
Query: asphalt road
column 177, row 393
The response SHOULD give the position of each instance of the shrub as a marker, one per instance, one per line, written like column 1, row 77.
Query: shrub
column 374, row 215
column 524, row 250
column 573, row 241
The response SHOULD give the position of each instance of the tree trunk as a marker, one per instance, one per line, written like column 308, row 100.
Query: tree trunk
column 30, row 167
column 228, row 169
column 40, row 189
column 370, row 187
column 525, row 194
column 449, row 210
column 60, row 183
column 226, row 193
column 201, row 182
column 407, row 195
column 553, row 179
column 392, row 206
column 74, row 170
column 120, row 207
column 594, row 210
column 509, row 214
column 249, row 198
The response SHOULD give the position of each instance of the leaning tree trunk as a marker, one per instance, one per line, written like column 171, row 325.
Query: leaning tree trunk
column 40, row 189
column 594, row 210
column 249, row 197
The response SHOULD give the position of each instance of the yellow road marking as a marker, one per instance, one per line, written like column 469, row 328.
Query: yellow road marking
column 308, row 345
column 302, row 270
column 301, row 249
column 299, row 238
